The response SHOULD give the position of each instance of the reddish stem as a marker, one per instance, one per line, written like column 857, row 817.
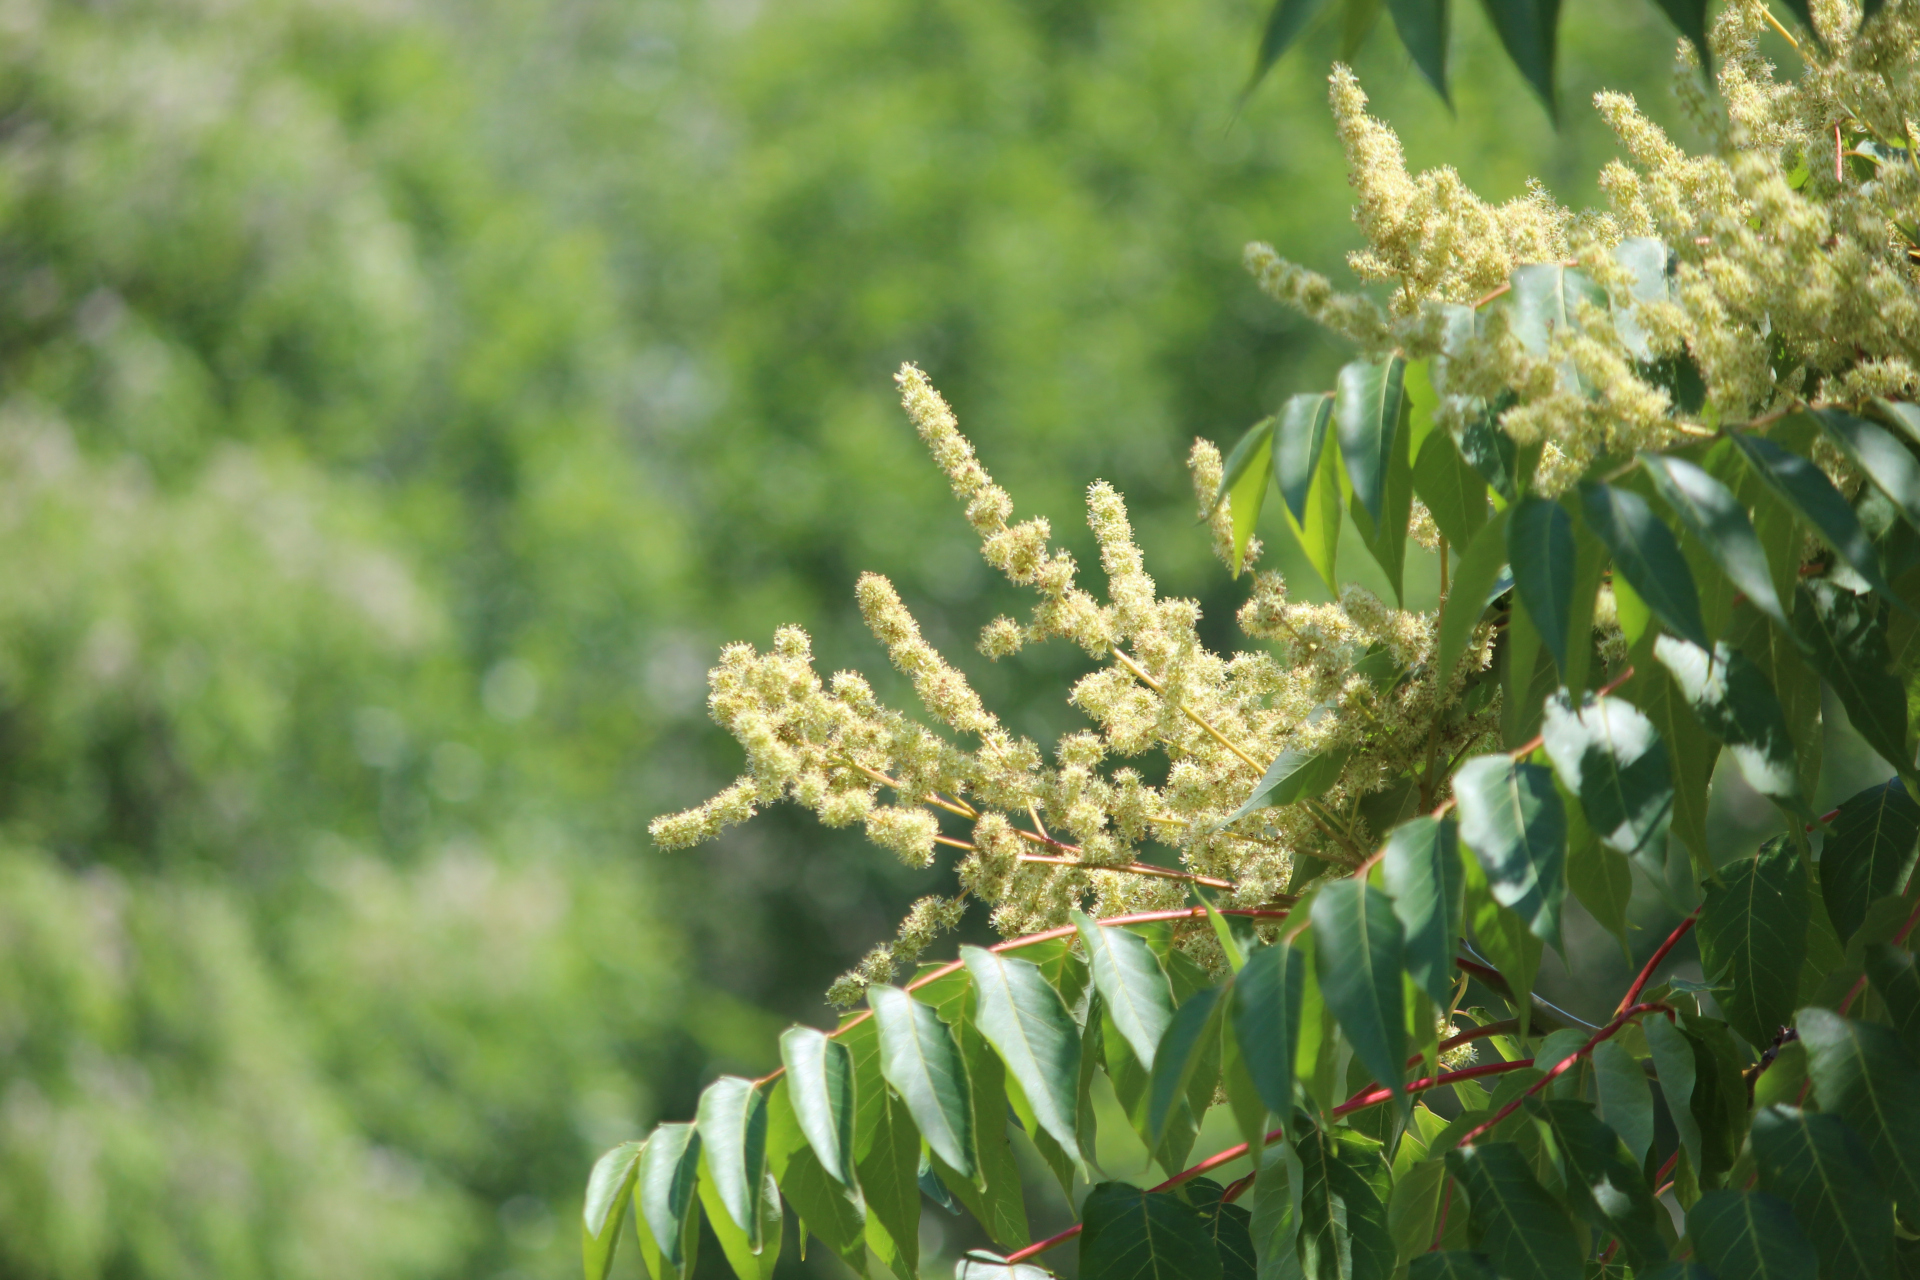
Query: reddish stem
column 1446, row 1203
column 1134, row 868
column 1562, row 1067
column 1653, row 961
column 1234, row 1153
column 1505, row 1026
column 1860, row 983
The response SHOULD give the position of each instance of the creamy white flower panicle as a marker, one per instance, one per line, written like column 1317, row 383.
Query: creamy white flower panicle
column 1785, row 282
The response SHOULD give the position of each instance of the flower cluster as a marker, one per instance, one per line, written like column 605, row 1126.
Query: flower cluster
column 1786, row 281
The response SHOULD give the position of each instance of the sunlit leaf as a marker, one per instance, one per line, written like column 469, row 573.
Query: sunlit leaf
column 1194, row 1029
column 1843, row 636
column 889, row 1180
column 609, row 1191
column 1807, row 490
column 1479, row 569
column 1609, row 755
column 821, row 1091
column 1135, row 998
column 1267, row 997
column 1603, row 1184
column 1367, row 413
column 1025, row 1020
column 1719, row 524
column 733, row 1138
column 920, row 1060
column 1427, row 885
column 1360, row 949
column 749, row 1260
column 1512, row 819
column 1881, row 458
column 1645, row 552
column 1293, row 776
column 1732, row 701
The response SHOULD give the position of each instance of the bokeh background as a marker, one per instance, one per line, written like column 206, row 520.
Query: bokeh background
column 400, row 402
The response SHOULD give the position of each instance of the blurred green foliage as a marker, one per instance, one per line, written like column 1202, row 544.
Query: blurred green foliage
column 399, row 403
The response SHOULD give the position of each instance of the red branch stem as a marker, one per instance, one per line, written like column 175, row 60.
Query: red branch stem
column 1653, row 961
column 1553, row 1073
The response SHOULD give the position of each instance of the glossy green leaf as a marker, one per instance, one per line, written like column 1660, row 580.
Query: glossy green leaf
column 1692, row 754
column 665, row 1199
column 1293, row 776
column 1514, row 1220
column 1422, row 25
column 1299, row 435
column 1025, row 1020
column 753, row 1254
column 1719, row 524
column 1130, row 1234
column 1544, row 297
column 1238, row 464
column 1752, row 1235
column 920, row 1060
column 1779, row 658
column 1414, row 1207
column 1869, row 853
column 1367, row 412
column 1844, row 637
column 1512, row 819
column 609, row 1191
column 1753, row 937
column 1247, row 491
column 1285, row 21
column 1506, row 941
column 1229, row 1226
column 890, row 1183
column 1733, row 702
column 1609, row 755
column 1193, row 1029
column 1862, row 1074
column 733, row 1140
column 1344, row 1186
column 1134, row 995
column 1423, row 875
column 1881, row 458
column 1478, row 571
column 1645, row 260
column 1812, row 496
column 993, row 1195
column 1316, row 526
column 1601, row 880
column 820, row 1089
column 1626, row 1099
column 1645, row 553
column 1690, row 17
column 1819, row 1166
column 1277, row 1193
column 1896, row 980
column 1454, row 492
column 1451, row 1264
column 1359, row 949
column 1540, row 547
column 1267, row 997
column 1676, row 1071
column 832, row 1213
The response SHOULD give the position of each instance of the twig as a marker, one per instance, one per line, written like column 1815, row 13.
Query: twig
column 1140, row 674
column 1136, row 868
column 1653, row 962
column 1562, row 1067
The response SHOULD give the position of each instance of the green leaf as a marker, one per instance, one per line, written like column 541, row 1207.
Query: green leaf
column 1626, row 1100
column 1733, row 702
column 1514, row 1220
column 1277, row 1211
column 1677, row 1071
column 1778, row 658
column 1812, row 496
column 1869, row 853
column 993, row 1194
column 1193, row 1029
column 1359, row 948
column 1230, row 1227
column 890, row 1182
column 1843, row 635
column 1292, row 776
column 1609, row 755
column 1367, row 413
column 1267, row 997
column 1750, row 1234
column 1422, row 872
column 1506, row 941
column 1454, row 492
column 1299, row 435
column 748, row 1260
column 1719, row 524
column 1753, row 937
column 826, row 1208
column 1344, row 1185
column 1414, row 1205
column 1883, row 459
column 981, row 1265
column 1285, row 21
column 1130, row 1234
column 1479, row 569
column 1691, row 754
column 1645, row 552
column 1540, row 547
column 1861, row 1074
column 1422, row 25
column 609, row 1189
column 920, row 1060
column 1690, row 16
column 733, row 1138
column 1645, row 259
column 1819, row 1166
column 1603, row 1183
column 1024, row 1019
column 820, row 1089
column 665, row 1200
column 1451, row 1264
column 1896, row 980
column 1511, row 817
column 1134, row 995
column 1544, row 297
column 1243, row 485
column 1601, row 880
